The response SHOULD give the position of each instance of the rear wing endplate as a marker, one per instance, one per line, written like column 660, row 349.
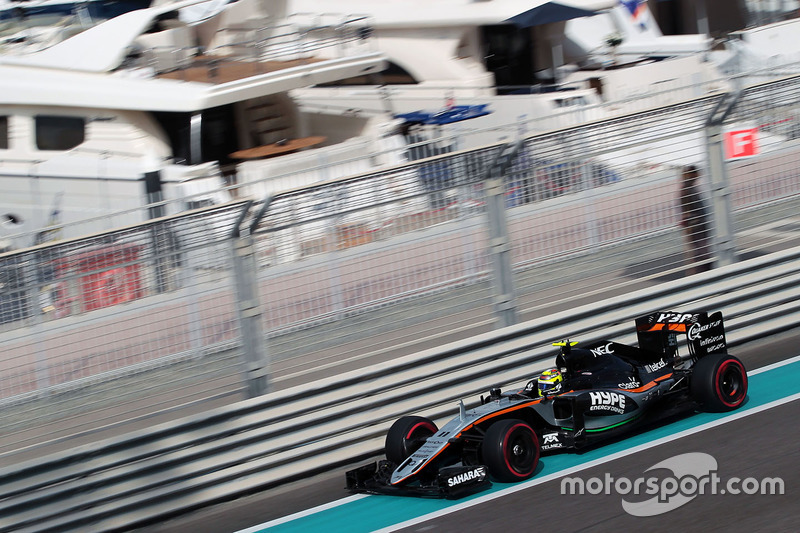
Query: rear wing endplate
column 659, row 331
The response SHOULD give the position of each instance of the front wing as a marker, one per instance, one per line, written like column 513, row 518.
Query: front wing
column 450, row 482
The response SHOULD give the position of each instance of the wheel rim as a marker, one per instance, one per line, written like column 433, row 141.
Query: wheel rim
column 421, row 430
column 520, row 450
column 416, row 435
column 731, row 383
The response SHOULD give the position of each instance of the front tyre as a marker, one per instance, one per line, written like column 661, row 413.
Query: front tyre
column 406, row 435
column 510, row 450
column 719, row 382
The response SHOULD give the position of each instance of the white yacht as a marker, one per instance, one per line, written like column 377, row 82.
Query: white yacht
column 758, row 50
column 145, row 108
column 42, row 12
column 30, row 25
column 531, row 62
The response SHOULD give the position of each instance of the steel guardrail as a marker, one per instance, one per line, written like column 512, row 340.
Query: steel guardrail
column 150, row 475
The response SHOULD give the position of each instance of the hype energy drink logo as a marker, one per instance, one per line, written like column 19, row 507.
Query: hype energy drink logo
column 673, row 482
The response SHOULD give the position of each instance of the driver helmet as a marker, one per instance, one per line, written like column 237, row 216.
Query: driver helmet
column 550, row 381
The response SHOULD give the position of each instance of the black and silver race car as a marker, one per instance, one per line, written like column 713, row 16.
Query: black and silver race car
column 596, row 392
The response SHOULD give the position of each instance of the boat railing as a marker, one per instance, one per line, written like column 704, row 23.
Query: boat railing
column 32, row 163
column 286, row 42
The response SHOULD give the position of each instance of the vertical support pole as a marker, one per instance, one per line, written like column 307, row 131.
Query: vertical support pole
column 196, row 138
column 187, row 279
column 499, row 240
column 702, row 18
column 30, row 306
column 255, row 358
column 154, row 194
column 722, row 211
column 162, row 241
column 589, row 184
column 557, row 56
column 336, row 284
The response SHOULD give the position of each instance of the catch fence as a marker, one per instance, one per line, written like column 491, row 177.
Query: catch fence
column 168, row 317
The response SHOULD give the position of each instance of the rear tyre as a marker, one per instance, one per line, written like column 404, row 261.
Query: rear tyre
column 719, row 383
column 406, row 435
column 511, row 450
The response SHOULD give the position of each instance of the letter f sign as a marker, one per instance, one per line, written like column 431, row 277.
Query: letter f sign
column 741, row 143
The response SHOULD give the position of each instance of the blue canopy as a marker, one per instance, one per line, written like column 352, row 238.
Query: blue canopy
column 448, row 115
column 549, row 12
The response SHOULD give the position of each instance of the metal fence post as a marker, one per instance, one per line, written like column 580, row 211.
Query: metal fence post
column 245, row 269
column 722, row 211
column 31, row 265
column 505, row 304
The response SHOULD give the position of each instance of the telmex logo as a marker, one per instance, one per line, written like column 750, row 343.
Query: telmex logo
column 550, row 438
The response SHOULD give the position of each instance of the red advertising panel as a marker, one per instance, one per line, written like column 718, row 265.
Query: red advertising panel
column 741, row 143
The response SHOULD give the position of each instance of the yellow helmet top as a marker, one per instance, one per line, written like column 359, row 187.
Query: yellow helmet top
column 550, row 381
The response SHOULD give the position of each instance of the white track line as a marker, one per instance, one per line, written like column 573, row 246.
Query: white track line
column 301, row 514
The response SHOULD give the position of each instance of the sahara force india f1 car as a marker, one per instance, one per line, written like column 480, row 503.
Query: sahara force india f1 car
column 594, row 393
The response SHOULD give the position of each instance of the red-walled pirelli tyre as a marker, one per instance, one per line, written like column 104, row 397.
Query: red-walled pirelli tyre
column 406, row 435
column 719, row 382
column 510, row 450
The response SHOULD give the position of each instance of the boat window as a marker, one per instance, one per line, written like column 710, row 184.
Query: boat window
column 59, row 133
column 571, row 101
column 508, row 53
column 3, row 133
column 197, row 204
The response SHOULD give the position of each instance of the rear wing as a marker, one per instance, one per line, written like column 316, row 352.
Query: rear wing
column 659, row 331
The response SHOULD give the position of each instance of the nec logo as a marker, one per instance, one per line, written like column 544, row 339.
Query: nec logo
column 602, row 350
column 675, row 318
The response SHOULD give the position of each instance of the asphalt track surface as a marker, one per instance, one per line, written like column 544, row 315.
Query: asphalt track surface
column 745, row 448
column 761, row 445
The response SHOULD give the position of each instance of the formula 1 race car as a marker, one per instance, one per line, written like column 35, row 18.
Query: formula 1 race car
column 594, row 393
